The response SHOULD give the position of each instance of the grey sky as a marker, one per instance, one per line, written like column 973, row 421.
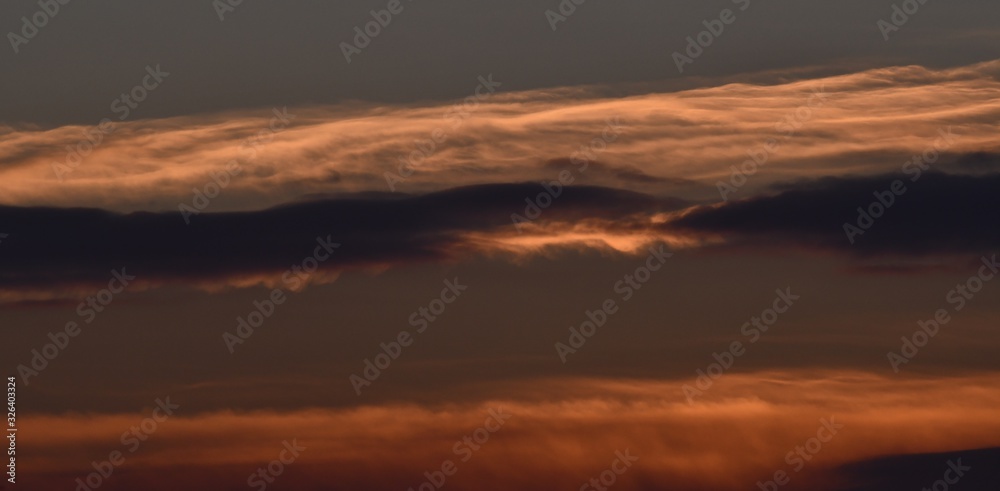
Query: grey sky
column 268, row 53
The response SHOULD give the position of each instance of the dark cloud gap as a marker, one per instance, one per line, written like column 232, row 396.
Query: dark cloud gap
column 48, row 246
column 978, row 162
column 921, row 471
column 938, row 214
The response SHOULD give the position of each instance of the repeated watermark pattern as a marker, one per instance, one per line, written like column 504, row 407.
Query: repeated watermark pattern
column 802, row 454
column 958, row 298
column 562, row 12
column 367, row 30
column 785, row 128
column 420, row 320
column 714, row 28
column 88, row 310
column 32, row 24
column 292, row 279
column 366, row 33
column 607, row 478
column 581, row 159
column 267, row 474
column 887, row 198
column 900, row 16
column 464, row 449
column 456, row 117
column 626, row 288
column 221, row 179
column 123, row 105
column 954, row 473
column 753, row 330
column 132, row 440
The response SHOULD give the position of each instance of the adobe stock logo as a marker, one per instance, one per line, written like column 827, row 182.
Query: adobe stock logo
column 623, row 461
column 420, row 319
column 428, row 147
column 696, row 45
column 363, row 37
column 87, row 310
column 132, row 441
column 785, row 129
column 581, row 159
column 221, row 179
column 565, row 9
column 223, row 7
column 752, row 329
column 292, row 279
column 626, row 287
column 900, row 16
column 123, row 105
column 38, row 20
column 801, row 454
column 959, row 297
column 884, row 200
column 956, row 470
column 266, row 475
column 464, row 448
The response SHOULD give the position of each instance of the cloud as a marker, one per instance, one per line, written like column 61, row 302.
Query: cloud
column 937, row 214
column 628, row 174
column 73, row 249
column 921, row 471
column 978, row 162
column 561, row 432
column 844, row 124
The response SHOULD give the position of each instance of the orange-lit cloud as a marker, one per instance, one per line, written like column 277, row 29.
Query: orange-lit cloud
column 678, row 143
column 217, row 251
column 561, row 433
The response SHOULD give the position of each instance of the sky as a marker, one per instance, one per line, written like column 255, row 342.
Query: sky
column 474, row 245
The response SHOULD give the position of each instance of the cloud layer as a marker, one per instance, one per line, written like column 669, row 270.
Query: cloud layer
column 935, row 216
column 50, row 247
column 684, row 141
column 560, row 433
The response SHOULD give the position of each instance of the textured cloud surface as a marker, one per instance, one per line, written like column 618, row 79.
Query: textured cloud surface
column 559, row 434
column 684, row 142
column 544, row 205
column 257, row 247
